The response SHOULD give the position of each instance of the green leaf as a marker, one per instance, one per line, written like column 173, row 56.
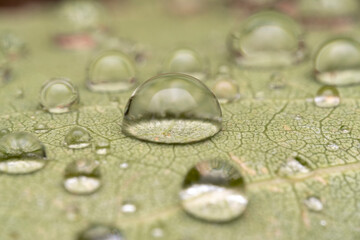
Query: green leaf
column 260, row 133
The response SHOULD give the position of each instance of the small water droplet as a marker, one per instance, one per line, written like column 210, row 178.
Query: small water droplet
column 213, row 191
column 277, row 81
column 77, row 137
column 58, row 95
column 124, row 165
column 102, row 147
column 40, row 128
column 172, row 108
column 298, row 117
column 21, row 153
column 100, row 232
column 4, row 131
column 128, row 207
column 157, row 232
column 187, row 61
column 344, row 129
column 111, row 71
column 12, row 45
column 323, row 223
column 314, row 204
column 225, row 89
column 327, row 96
column 82, row 177
column 332, row 147
column 294, row 167
column 283, row 45
column 337, row 62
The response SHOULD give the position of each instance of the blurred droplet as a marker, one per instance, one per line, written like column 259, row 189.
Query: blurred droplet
column 327, row 96
column 77, row 137
column 100, row 232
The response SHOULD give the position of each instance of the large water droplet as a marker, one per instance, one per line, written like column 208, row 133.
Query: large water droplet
column 314, row 204
column 327, row 96
column 77, row 137
column 172, row 108
column 267, row 39
column 338, row 62
column 101, row 232
column 213, row 191
column 294, row 167
column 12, row 45
column 111, row 71
column 21, row 153
column 82, row 177
column 225, row 89
column 58, row 95
column 187, row 61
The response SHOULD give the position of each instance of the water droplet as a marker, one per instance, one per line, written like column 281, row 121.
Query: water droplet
column 187, row 61
column 323, row 223
column 128, row 207
column 102, row 147
column 58, row 95
column 21, row 153
column 157, row 232
column 344, row 129
column 172, row 108
column 327, row 96
column 332, row 147
column 111, row 71
column 277, row 81
column 314, row 204
column 82, row 177
column 294, row 167
column 101, row 232
column 4, row 131
column 282, row 46
column 338, row 62
column 225, row 89
column 328, row 8
column 124, row 165
column 77, row 137
column 213, row 191
column 40, row 128
column 12, row 45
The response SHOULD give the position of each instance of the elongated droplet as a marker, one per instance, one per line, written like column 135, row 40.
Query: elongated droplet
column 225, row 89
column 101, row 232
column 172, row 108
column 58, row 95
column 77, row 137
column 327, row 97
column 213, row 191
column 40, row 128
column 187, row 61
column 267, row 39
column 128, row 207
column 111, row 71
column 21, row 153
column 82, row 177
column 314, row 204
column 294, row 167
column 338, row 62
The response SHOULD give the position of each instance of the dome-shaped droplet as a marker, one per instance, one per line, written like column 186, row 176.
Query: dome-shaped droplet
column 82, row 177
column 294, row 167
column 101, row 232
column 58, row 95
column 225, row 89
column 314, row 204
column 328, row 8
column 21, row 153
column 40, row 128
column 102, row 147
column 338, row 62
column 187, row 61
column 213, row 191
column 172, row 108
column 12, row 45
column 267, row 39
column 327, row 96
column 111, row 71
column 77, row 137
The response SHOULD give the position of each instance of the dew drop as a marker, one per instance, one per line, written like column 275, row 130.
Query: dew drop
column 329, row 8
column 124, row 165
column 128, row 207
column 101, row 232
column 40, row 128
column 187, row 61
column 213, row 191
column 82, row 177
column 102, row 147
column 314, row 204
column 58, row 95
column 277, row 81
column 323, row 223
column 226, row 90
column 12, row 45
column 327, row 97
column 344, row 129
column 21, row 153
column 157, row 233
column 267, row 39
column 172, row 108
column 332, row 147
column 337, row 62
column 111, row 71
column 77, row 137
column 294, row 167
column 4, row 131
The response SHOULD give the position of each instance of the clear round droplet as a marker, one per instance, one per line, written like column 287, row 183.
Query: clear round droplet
column 102, row 147
column 21, row 153
column 277, row 81
column 111, row 71
column 100, row 232
column 313, row 204
column 225, row 89
column 40, row 128
column 172, row 108
column 82, row 177
column 77, row 137
column 58, row 95
column 294, row 167
column 337, row 62
column 327, row 97
column 344, row 129
column 187, row 61
column 213, row 191
column 267, row 39
column 12, row 45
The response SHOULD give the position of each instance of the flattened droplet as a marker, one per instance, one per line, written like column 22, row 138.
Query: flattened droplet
column 100, row 232
column 128, row 207
column 213, row 191
column 58, row 95
column 172, row 108
column 21, row 153
column 102, row 147
column 77, row 137
column 82, row 177
column 294, row 167
column 314, row 204
column 40, row 128
column 327, row 97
